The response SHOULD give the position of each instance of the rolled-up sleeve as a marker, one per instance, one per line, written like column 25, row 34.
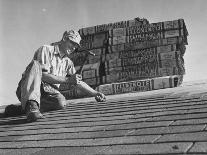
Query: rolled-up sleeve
column 71, row 69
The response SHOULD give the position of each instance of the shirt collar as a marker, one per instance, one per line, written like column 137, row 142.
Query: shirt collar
column 57, row 51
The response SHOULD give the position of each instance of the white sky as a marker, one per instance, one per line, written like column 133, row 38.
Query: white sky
column 25, row 25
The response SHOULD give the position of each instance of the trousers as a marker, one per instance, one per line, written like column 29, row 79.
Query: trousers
column 31, row 87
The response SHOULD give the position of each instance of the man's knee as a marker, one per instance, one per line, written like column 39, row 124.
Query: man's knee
column 34, row 67
column 50, row 104
column 58, row 102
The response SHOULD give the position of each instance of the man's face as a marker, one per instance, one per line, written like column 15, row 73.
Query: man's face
column 70, row 47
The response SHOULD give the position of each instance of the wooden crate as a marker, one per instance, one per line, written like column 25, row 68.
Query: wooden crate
column 168, row 71
column 164, row 82
column 146, row 44
column 131, row 61
column 152, row 27
column 139, row 85
column 146, row 36
column 109, row 26
column 97, row 40
column 124, row 87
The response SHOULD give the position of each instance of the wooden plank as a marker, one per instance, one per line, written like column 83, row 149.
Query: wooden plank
column 168, row 63
column 163, row 64
column 146, row 36
column 123, row 87
column 109, row 26
column 146, row 44
column 144, row 69
column 164, row 82
column 167, row 48
column 135, row 52
column 168, row 71
column 172, row 55
column 152, row 27
column 127, row 76
column 139, row 85
column 141, row 57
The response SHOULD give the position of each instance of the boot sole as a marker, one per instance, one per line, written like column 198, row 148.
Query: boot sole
column 34, row 116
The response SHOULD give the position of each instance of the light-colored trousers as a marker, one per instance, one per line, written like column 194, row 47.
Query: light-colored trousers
column 31, row 87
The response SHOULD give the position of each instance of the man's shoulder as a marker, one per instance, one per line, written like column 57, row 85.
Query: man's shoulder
column 45, row 48
column 49, row 47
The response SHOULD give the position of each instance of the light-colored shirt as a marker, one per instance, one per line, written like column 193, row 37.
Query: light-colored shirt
column 54, row 61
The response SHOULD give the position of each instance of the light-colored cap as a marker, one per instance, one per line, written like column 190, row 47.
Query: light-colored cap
column 73, row 36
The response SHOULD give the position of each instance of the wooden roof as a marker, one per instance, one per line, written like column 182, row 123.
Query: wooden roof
column 166, row 121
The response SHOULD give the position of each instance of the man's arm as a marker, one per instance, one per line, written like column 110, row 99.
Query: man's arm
column 52, row 79
column 75, row 80
column 86, row 88
column 100, row 97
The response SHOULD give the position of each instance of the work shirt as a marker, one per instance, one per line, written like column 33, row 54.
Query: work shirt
column 53, row 61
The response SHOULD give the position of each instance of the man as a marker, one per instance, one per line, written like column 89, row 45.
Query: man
column 50, row 67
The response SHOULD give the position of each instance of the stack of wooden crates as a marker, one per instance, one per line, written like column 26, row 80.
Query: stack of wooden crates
column 132, row 55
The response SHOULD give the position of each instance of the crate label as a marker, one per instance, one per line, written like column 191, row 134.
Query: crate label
column 145, row 44
column 173, row 33
column 131, row 72
column 147, row 28
column 171, row 24
column 144, row 28
column 167, row 63
column 141, row 57
column 168, row 55
column 145, row 37
column 130, row 86
column 117, row 32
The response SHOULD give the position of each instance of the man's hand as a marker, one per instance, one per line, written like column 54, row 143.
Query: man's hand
column 74, row 79
column 100, row 97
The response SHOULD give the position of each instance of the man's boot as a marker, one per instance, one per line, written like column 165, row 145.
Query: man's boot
column 13, row 110
column 32, row 111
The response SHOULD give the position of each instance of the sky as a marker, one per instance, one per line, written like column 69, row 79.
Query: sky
column 25, row 25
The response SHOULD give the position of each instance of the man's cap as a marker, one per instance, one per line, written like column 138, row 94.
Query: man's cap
column 73, row 36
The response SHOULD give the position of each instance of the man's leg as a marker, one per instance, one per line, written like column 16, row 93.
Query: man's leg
column 51, row 102
column 30, row 84
column 30, row 91
column 51, row 99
